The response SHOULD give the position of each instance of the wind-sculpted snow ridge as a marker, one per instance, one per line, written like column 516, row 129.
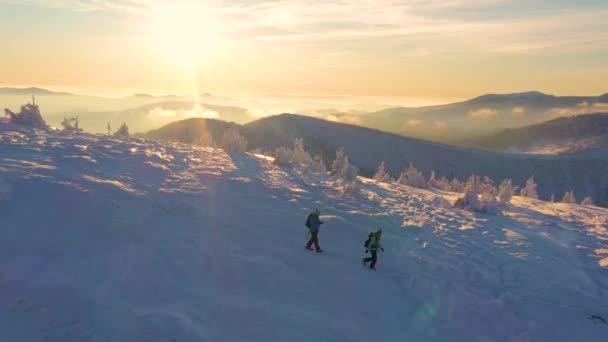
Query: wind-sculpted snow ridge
column 131, row 240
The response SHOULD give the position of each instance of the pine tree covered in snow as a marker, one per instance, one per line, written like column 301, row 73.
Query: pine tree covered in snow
column 552, row 200
column 505, row 192
column 530, row 189
column 569, row 197
column 432, row 182
column 588, row 201
column 412, row 177
column 233, row 141
column 342, row 169
column 123, row 131
column 382, row 176
column 71, row 125
column 470, row 200
column 456, row 185
column 299, row 157
column 28, row 116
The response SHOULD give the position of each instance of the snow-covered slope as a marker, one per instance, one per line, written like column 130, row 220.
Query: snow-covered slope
column 110, row 240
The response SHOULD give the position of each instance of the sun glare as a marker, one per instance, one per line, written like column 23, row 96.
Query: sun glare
column 185, row 31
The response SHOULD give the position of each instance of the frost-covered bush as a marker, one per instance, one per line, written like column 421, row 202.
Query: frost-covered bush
column 470, row 200
column 342, row 169
column 588, row 201
column 440, row 202
column 338, row 164
column 382, row 176
column 530, row 189
column 298, row 157
column 487, row 186
column 123, row 131
column 505, row 192
column 412, row 177
column 456, row 186
column 440, row 184
column 488, row 203
column 351, row 188
column 233, row 141
column 569, row 197
column 71, row 125
column 28, row 116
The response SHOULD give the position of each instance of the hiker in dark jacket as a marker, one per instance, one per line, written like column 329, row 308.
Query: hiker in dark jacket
column 313, row 223
column 373, row 246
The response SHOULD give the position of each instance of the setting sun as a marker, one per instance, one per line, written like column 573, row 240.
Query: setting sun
column 185, row 32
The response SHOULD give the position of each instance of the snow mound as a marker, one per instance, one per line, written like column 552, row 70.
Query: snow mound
column 170, row 242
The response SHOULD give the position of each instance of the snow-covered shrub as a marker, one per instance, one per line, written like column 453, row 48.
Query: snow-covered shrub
column 469, row 201
column 300, row 158
column 71, row 125
column 382, row 176
column 530, row 189
column 552, row 200
column 28, row 116
column 456, row 186
column 569, row 197
column 282, row 156
column 412, row 177
column 205, row 139
column 443, row 184
column 432, row 182
column 440, row 202
column 123, row 131
column 505, row 192
column 588, row 201
column 488, row 203
column 487, row 186
column 338, row 164
column 233, row 141
column 342, row 169
column 351, row 188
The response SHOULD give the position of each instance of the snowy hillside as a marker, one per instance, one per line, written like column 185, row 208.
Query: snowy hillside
column 559, row 136
column 111, row 240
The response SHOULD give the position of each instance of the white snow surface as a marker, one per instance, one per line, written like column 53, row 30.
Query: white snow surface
column 130, row 240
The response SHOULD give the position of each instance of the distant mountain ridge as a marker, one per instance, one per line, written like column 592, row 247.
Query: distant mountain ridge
column 481, row 116
column 572, row 134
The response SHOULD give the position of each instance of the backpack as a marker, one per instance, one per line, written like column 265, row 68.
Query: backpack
column 307, row 224
column 369, row 240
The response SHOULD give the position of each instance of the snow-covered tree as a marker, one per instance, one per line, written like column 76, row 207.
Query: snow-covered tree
column 487, row 186
column 342, row 169
column 338, row 164
column 123, row 131
column 412, row 177
column 569, row 197
column 552, row 200
column 233, row 141
column 443, row 184
column 382, row 176
column 28, row 116
column 588, row 201
column 488, row 203
column 351, row 188
column 432, row 182
column 470, row 200
column 299, row 157
column 530, row 189
column 71, row 125
column 505, row 192
column 456, row 185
